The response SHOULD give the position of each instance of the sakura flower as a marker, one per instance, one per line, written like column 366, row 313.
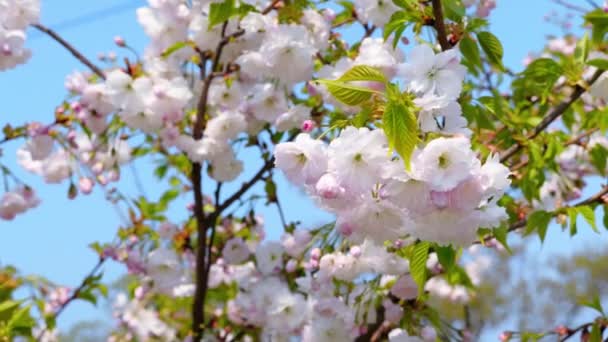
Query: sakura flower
column 359, row 158
column 400, row 335
column 235, row 251
column 303, row 161
column 440, row 74
column 378, row 12
column 444, row 162
column 269, row 257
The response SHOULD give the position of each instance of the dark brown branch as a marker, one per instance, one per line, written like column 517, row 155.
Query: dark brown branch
column 203, row 223
column 439, row 24
column 70, row 48
column 269, row 164
column 555, row 113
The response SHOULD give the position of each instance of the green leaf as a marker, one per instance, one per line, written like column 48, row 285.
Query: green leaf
column 220, row 12
column 582, row 49
column 397, row 24
column 572, row 215
column 446, row 256
column 21, row 320
column 605, row 216
column 594, row 303
column 539, row 221
column 418, row 259
column 363, row 73
column 501, row 235
column 8, row 306
column 599, row 21
column 175, row 47
column 492, row 48
column 347, row 93
column 454, row 9
column 88, row 296
column 589, row 216
column 401, row 129
column 599, row 63
column 470, row 51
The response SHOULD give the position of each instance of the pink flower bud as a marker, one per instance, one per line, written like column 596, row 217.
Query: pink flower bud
column 291, row 266
column 505, row 336
column 355, row 251
column 118, row 40
column 102, row 179
column 308, row 126
column 346, row 229
column 85, row 185
column 315, row 253
column 428, row 333
column 328, row 187
column 114, row 175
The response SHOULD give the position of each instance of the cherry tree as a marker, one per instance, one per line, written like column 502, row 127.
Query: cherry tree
column 398, row 118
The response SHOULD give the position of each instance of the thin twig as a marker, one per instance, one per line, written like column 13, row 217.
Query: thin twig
column 555, row 113
column 571, row 6
column 76, row 292
column 70, row 48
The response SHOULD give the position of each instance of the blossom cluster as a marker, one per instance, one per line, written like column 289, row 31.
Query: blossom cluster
column 15, row 17
column 445, row 196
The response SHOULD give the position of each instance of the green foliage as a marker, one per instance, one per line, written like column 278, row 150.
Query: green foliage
column 15, row 320
column 363, row 73
column 454, row 9
column 471, row 54
column 492, row 47
column 599, row 21
column 599, row 63
column 538, row 222
column 599, row 157
column 347, row 93
column 538, row 79
column 400, row 126
column 586, row 212
column 220, row 12
column 418, row 257
column 595, row 304
column 176, row 47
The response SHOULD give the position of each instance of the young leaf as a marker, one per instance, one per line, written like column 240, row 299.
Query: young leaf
column 363, row 73
column 589, row 216
column 470, row 51
column 222, row 11
column 418, row 259
column 401, row 129
column 599, row 63
column 347, row 93
column 582, row 49
column 539, row 221
column 492, row 47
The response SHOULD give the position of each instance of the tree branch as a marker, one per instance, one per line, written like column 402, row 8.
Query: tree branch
column 76, row 292
column 70, row 48
column 555, row 113
column 439, row 24
column 203, row 223
column 269, row 164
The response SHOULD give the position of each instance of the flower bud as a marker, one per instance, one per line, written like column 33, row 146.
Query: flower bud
column 291, row 266
column 85, row 185
column 308, row 126
column 118, row 40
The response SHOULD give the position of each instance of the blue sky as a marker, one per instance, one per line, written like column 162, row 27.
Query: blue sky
column 52, row 239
